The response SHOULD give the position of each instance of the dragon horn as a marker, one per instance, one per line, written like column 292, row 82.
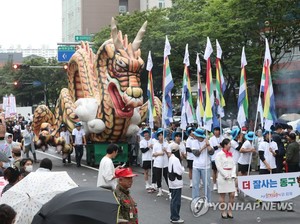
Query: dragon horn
column 138, row 39
column 114, row 33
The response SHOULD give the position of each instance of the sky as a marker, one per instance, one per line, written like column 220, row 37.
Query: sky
column 30, row 23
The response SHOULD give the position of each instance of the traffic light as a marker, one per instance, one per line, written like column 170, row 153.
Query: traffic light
column 65, row 67
column 20, row 66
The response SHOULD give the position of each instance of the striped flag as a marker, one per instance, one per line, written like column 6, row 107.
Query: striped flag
column 200, row 108
column 150, row 93
column 209, row 94
column 243, row 94
column 269, row 99
column 168, row 85
column 187, row 109
column 220, row 83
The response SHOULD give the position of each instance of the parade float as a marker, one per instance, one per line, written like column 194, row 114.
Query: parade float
column 104, row 94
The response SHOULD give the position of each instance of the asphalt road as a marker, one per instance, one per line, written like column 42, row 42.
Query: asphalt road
column 156, row 210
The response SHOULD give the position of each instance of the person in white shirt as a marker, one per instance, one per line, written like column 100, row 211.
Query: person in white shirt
column 246, row 152
column 65, row 134
column 267, row 151
column 201, row 164
column 189, row 155
column 175, row 172
column 214, row 142
column 45, row 165
column 160, row 164
column 146, row 146
column 28, row 142
column 106, row 173
column 236, row 143
column 79, row 141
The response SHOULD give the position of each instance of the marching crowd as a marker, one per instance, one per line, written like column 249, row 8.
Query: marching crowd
column 217, row 156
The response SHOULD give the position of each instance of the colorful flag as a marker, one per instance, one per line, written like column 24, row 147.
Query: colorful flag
column 150, row 93
column 168, row 85
column 243, row 94
column 269, row 99
column 209, row 94
column 200, row 108
column 187, row 108
column 220, row 83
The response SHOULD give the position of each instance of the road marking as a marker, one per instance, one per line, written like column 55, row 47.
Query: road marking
column 92, row 168
column 57, row 157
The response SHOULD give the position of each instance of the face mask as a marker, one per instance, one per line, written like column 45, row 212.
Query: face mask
column 28, row 168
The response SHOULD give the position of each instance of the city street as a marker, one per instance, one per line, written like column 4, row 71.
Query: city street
column 154, row 209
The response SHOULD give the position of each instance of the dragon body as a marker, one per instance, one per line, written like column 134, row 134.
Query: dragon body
column 104, row 92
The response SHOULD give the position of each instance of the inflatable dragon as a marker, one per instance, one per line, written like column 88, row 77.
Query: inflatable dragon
column 104, row 92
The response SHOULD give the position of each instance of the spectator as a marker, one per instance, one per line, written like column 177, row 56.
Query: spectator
column 175, row 171
column 128, row 208
column 26, row 166
column 292, row 154
column 12, row 176
column 7, row 214
column 45, row 165
column 106, row 173
column 16, row 154
column 28, row 142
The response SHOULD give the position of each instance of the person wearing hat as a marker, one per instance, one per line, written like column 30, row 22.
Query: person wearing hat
column 66, row 135
column 146, row 146
column 28, row 136
column 246, row 152
column 160, row 164
column 277, row 137
column 214, row 142
column 267, row 151
column 175, row 171
column 237, row 140
column 189, row 154
column 292, row 153
column 201, row 164
column 79, row 140
column 128, row 208
column 176, row 137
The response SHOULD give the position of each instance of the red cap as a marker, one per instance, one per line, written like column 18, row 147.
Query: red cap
column 124, row 172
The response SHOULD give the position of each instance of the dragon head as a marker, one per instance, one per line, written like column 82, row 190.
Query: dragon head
column 123, row 66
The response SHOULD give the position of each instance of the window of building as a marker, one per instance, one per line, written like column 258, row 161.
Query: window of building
column 161, row 4
column 123, row 6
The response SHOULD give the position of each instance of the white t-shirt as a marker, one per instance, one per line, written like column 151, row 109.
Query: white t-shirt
column 264, row 146
column 160, row 161
column 78, row 136
column 188, row 144
column 174, row 163
column 106, row 173
column 147, row 156
column 214, row 141
column 235, row 153
column 66, row 136
column 202, row 161
column 245, row 157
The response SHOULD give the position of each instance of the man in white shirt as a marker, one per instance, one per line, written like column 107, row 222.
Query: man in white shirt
column 65, row 134
column 106, row 174
column 79, row 141
column 267, row 151
column 146, row 146
column 189, row 155
column 28, row 142
column 201, row 164
column 246, row 152
column 214, row 142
